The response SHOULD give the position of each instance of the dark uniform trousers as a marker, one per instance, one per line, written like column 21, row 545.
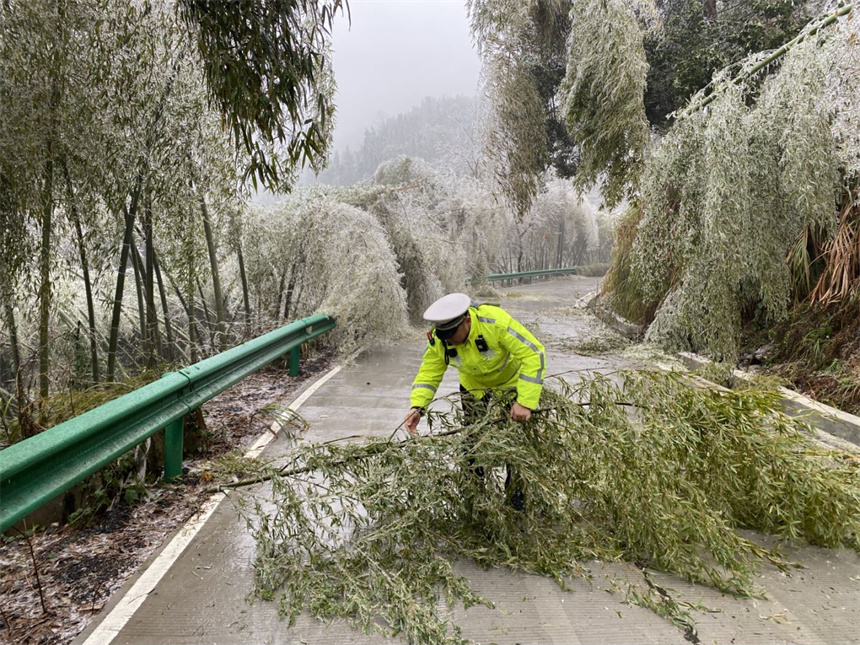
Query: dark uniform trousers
column 473, row 409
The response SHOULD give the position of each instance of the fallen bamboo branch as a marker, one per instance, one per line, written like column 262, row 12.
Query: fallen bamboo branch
column 305, row 469
column 371, row 532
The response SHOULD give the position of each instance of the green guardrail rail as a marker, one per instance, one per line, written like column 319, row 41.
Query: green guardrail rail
column 493, row 277
column 34, row 471
column 510, row 277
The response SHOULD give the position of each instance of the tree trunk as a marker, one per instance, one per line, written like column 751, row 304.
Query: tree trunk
column 154, row 341
column 244, row 278
column 221, row 334
column 168, row 329
column 120, row 285
column 85, row 267
column 58, row 60
column 520, row 247
column 559, row 252
column 298, row 300
column 137, row 263
column 45, row 275
column 13, row 343
column 130, row 215
column 193, row 334
column 277, row 312
column 25, row 423
column 290, row 288
column 178, row 294
column 206, row 314
column 709, row 8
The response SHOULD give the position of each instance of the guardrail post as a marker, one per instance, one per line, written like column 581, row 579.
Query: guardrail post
column 294, row 361
column 173, row 438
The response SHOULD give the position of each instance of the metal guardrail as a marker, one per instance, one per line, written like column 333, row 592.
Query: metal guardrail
column 34, row 471
column 510, row 277
column 532, row 274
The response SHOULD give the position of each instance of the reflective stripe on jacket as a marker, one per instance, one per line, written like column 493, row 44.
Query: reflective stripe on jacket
column 514, row 359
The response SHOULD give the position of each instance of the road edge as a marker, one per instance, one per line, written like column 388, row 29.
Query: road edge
column 127, row 600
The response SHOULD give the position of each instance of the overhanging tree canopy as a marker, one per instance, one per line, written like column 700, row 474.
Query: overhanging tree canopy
column 268, row 70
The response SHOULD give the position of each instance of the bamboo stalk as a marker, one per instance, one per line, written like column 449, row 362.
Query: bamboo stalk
column 814, row 29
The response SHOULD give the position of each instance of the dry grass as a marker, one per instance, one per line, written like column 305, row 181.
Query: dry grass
column 840, row 279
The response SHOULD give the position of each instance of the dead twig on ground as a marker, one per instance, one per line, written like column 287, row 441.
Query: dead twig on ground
column 29, row 541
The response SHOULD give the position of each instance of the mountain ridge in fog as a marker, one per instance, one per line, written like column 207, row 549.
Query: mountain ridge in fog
column 441, row 131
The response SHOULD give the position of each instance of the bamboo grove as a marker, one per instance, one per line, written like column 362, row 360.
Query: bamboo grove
column 744, row 200
column 121, row 154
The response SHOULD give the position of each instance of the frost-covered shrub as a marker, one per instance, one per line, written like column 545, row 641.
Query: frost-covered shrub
column 274, row 257
column 484, row 292
column 668, row 329
column 594, row 270
column 412, row 174
column 410, row 245
column 314, row 253
column 444, row 252
column 406, row 201
column 360, row 272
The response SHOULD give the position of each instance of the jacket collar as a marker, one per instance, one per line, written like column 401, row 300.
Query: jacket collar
column 473, row 328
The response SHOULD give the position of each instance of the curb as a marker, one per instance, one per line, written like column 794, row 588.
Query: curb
column 833, row 427
column 837, row 426
column 629, row 330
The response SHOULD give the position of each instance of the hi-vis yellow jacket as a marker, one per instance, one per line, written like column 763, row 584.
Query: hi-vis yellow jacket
column 514, row 359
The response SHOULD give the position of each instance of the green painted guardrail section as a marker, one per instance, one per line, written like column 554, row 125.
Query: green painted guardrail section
column 510, row 277
column 532, row 274
column 34, row 471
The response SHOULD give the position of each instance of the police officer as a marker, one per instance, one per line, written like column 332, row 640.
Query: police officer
column 490, row 350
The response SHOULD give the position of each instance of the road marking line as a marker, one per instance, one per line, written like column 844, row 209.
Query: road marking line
column 113, row 623
column 122, row 612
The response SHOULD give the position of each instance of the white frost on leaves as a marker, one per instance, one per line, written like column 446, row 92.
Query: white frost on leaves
column 727, row 192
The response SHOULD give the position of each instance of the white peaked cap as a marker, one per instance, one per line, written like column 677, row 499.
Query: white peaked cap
column 448, row 308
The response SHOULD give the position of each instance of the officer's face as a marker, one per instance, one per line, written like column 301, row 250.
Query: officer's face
column 462, row 332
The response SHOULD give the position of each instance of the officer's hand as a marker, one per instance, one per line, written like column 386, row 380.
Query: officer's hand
column 411, row 421
column 520, row 413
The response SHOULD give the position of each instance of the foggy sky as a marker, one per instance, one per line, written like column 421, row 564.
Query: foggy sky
column 394, row 54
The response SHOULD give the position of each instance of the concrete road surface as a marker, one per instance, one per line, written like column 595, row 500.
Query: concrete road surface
column 195, row 590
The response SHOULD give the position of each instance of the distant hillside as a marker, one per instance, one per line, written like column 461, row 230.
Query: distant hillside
column 440, row 130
